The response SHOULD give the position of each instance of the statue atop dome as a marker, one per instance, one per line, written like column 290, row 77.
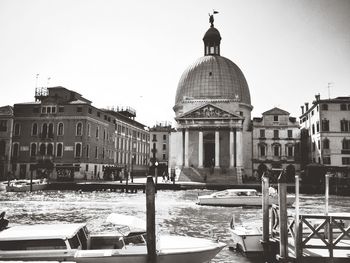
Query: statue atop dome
column 211, row 18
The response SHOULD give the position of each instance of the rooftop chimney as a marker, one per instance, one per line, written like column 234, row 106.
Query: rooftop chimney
column 306, row 106
column 317, row 97
column 302, row 109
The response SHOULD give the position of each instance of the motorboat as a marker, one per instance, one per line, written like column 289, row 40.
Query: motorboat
column 246, row 238
column 73, row 242
column 25, row 185
column 239, row 197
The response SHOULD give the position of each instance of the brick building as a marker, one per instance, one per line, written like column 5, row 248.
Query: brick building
column 61, row 135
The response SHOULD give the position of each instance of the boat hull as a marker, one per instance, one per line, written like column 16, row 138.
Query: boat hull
column 244, row 201
column 249, row 244
column 25, row 187
column 169, row 250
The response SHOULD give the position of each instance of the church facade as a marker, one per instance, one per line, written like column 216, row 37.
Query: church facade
column 213, row 115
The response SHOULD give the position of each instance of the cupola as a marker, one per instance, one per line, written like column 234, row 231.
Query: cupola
column 212, row 39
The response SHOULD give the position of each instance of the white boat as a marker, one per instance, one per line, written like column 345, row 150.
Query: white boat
column 239, row 197
column 23, row 185
column 246, row 238
column 72, row 242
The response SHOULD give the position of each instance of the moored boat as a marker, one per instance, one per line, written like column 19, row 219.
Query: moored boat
column 246, row 238
column 238, row 197
column 73, row 242
column 25, row 185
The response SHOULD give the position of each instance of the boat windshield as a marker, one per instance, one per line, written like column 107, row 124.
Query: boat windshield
column 43, row 244
column 74, row 242
column 135, row 240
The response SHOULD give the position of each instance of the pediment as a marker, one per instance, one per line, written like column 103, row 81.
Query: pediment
column 209, row 111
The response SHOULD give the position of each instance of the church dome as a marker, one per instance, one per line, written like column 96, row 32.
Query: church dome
column 213, row 77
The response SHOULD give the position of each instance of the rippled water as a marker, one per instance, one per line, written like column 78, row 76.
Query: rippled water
column 176, row 212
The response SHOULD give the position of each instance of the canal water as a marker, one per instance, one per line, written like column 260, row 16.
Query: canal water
column 176, row 212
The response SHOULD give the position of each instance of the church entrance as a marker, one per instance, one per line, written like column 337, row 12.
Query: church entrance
column 209, row 150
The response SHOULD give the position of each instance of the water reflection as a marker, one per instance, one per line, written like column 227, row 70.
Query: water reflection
column 176, row 211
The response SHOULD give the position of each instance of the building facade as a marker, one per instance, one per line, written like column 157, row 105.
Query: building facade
column 61, row 135
column 6, row 126
column 213, row 115
column 276, row 144
column 159, row 150
column 325, row 134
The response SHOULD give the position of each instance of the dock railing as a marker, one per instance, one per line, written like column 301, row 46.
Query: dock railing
column 329, row 230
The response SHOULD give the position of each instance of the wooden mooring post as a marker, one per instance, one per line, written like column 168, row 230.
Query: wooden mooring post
column 265, row 209
column 297, row 226
column 283, row 224
column 150, row 221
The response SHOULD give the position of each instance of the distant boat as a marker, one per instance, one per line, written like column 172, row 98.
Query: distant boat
column 23, row 185
column 238, row 197
column 72, row 242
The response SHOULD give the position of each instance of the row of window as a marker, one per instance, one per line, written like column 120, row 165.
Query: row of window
column 154, row 139
column 47, row 149
column 276, row 133
column 276, row 150
column 326, row 144
column 50, row 109
column 344, row 160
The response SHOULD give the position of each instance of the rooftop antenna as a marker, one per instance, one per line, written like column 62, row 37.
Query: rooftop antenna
column 36, row 80
column 329, row 89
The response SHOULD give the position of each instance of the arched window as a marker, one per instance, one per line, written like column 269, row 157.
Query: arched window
column 35, row 129
column 15, row 150
column 59, row 152
column 44, row 130
column 79, row 129
column 97, row 131
column 60, row 129
column 276, row 148
column 2, row 148
column 88, row 129
column 262, row 149
column 289, row 150
column 33, row 149
column 42, row 149
column 50, row 130
column 78, row 150
column 50, row 149
column 87, row 151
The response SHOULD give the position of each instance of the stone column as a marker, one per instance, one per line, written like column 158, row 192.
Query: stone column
column 186, row 148
column 200, row 149
column 217, row 149
column 231, row 145
column 239, row 157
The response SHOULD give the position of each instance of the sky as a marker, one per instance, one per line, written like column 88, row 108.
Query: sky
column 133, row 53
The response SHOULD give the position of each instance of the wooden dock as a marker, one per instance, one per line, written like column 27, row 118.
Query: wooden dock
column 303, row 237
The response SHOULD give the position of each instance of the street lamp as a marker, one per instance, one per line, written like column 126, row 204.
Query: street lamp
column 156, row 171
